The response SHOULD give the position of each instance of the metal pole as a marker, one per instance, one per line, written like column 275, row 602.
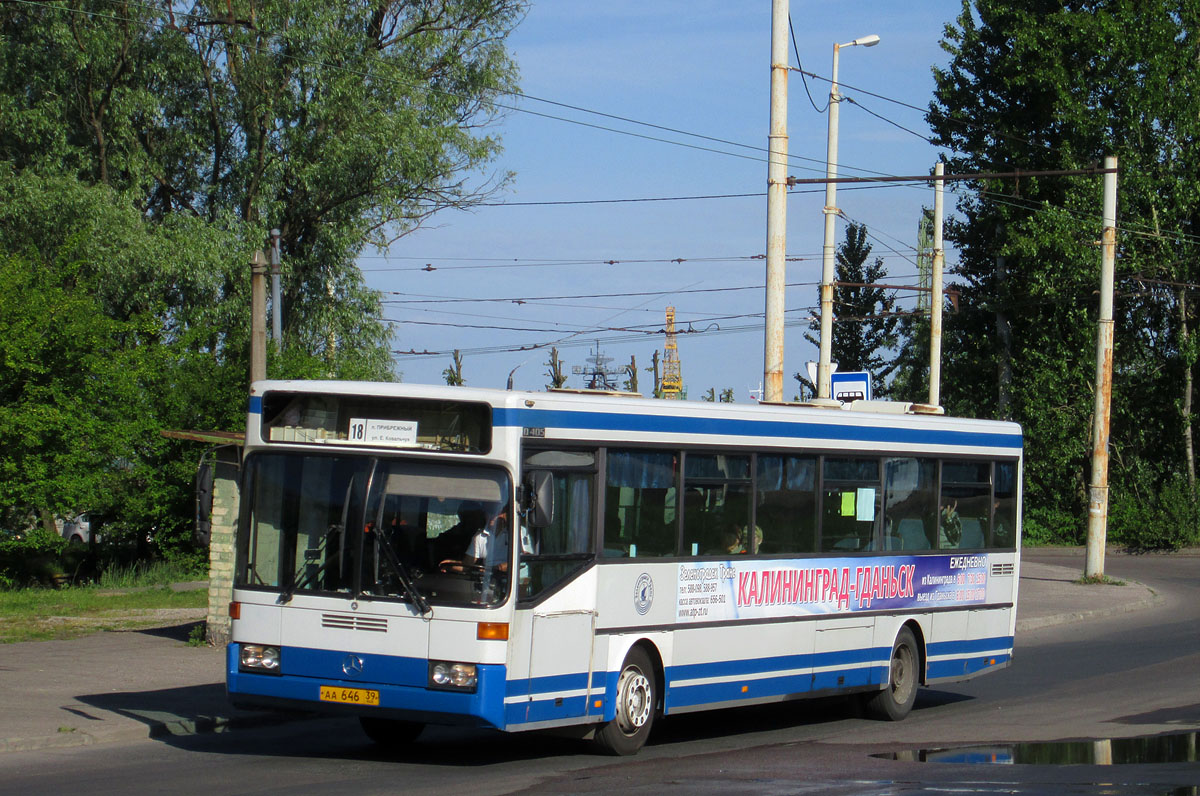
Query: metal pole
column 827, row 255
column 824, row 366
column 276, row 304
column 777, row 184
column 935, row 297
column 258, row 317
column 1098, row 497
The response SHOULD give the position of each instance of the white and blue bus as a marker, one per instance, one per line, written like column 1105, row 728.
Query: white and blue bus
column 423, row 555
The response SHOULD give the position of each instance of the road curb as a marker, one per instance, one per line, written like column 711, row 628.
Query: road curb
column 1052, row 620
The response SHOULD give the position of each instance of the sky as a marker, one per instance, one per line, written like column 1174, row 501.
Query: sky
column 503, row 283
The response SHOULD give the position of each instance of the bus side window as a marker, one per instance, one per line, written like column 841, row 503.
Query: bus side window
column 965, row 505
column 786, row 504
column 910, row 504
column 1004, row 522
column 850, row 503
column 640, row 503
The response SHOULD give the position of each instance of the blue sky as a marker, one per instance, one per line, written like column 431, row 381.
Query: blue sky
column 700, row 66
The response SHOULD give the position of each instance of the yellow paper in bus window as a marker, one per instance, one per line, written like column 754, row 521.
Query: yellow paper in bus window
column 847, row 504
column 866, row 505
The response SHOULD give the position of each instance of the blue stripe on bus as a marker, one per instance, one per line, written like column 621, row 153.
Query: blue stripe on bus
column 483, row 707
column 671, row 424
column 970, row 645
column 696, row 671
column 256, row 404
column 960, row 667
column 577, row 681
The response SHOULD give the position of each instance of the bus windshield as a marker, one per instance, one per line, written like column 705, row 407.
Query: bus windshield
column 376, row 528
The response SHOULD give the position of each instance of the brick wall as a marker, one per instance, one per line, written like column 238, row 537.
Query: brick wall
column 220, row 548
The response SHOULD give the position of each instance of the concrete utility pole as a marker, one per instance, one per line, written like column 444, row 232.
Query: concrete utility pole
column 777, row 185
column 258, row 317
column 935, row 297
column 1098, row 497
column 824, row 382
column 276, row 301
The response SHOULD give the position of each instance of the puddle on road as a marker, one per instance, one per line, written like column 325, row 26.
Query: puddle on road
column 1175, row 748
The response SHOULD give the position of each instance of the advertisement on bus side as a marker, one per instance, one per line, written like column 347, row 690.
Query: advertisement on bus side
column 714, row 591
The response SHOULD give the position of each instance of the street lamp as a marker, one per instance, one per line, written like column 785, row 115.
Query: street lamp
column 830, row 210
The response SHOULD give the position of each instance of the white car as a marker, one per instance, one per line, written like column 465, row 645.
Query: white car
column 78, row 529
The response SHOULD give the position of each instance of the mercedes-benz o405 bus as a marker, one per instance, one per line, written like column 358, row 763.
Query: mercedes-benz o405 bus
column 420, row 555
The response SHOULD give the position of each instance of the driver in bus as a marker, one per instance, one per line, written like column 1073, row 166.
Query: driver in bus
column 490, row 543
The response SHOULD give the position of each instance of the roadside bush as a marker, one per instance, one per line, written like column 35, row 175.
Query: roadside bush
column 1164, row 519
column 34, row 559
column 1050, row 526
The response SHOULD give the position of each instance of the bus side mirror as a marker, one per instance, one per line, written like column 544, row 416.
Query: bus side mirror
column 539, row 498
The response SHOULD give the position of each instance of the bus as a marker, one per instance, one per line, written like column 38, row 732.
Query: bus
column 590, row 563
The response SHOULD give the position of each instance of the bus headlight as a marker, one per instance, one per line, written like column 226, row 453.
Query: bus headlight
column 456, row 676
column 259, row 658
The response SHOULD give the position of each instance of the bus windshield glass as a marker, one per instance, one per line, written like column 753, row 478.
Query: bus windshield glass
column 376, row 528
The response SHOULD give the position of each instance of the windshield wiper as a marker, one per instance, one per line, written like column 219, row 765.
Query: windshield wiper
column 402, row 575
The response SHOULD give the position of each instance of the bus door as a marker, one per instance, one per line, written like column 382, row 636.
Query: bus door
column 560, row 664
column 557, row 582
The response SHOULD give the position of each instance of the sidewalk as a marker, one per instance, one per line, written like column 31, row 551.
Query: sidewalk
column 124, row 686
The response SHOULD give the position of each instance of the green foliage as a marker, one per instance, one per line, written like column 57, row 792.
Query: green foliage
column 1166, row 518
column 1049, row 84
column 33, row 559
column 554, row 370
column 198, row 635
column 141, row 574
column 453, row 374
column 864, row 328
column 631, row 375
column 144, row 152
column 41, row 614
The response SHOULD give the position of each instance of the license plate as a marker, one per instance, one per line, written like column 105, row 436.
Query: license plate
column 349, row 696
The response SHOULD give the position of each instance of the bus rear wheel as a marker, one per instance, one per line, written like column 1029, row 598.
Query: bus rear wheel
column 390, row 733
column 637, row 702
column 895, row 701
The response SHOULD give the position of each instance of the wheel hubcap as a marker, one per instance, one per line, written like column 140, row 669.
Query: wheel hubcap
column 635, row 694
column 902, row 674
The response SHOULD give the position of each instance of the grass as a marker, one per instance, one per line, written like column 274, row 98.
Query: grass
column 1099, row 580
column 52, row 614
column 157, row 573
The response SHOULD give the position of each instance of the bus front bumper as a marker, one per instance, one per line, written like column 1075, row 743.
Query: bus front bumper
column 406, row 698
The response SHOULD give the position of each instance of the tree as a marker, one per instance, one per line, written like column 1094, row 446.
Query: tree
column 340, row 125
column 147, row 148
column 910, row 379
column 1048, row 84
column 70, row 403
column 710, row 396
column 554, row 370
column 453, row 374
column 631, row 375
column 726, row 396
column 864, row 327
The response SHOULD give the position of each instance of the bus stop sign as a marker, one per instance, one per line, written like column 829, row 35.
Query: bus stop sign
column 852, row 385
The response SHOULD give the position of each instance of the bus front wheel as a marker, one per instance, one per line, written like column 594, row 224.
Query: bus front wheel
column 896, row 699
column 637, row 701
column 390, row 733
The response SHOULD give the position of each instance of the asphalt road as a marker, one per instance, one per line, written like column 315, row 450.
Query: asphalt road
column 1129, row 675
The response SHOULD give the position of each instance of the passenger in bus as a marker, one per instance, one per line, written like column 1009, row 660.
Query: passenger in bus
column 744, row 537
column 731, row 542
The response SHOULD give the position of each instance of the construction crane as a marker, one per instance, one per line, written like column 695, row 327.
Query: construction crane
column 672, row 379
